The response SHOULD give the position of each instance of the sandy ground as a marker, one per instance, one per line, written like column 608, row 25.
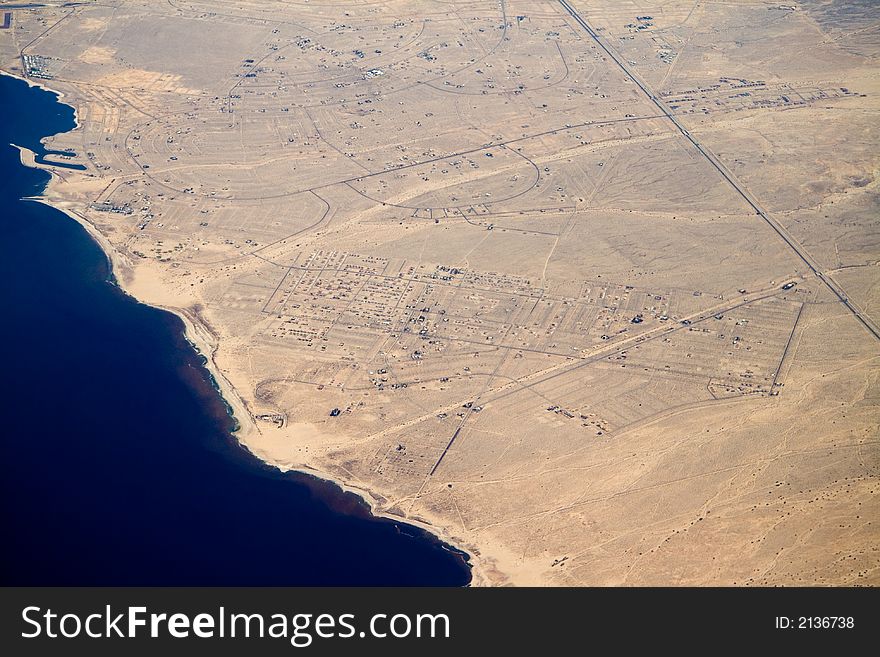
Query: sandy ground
column 144, row 283
column 570, row 354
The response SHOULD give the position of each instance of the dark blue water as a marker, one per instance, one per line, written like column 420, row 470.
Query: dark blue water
column 118, row 466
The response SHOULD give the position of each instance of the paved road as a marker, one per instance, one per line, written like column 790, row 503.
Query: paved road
column 719, row 166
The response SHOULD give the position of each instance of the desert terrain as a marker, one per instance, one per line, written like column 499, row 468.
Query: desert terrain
column 589, row 288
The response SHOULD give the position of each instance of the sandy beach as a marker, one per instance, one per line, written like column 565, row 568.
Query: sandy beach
column 144, row 285
column 590, row 297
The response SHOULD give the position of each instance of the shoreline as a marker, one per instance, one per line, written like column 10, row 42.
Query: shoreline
column 205, row 344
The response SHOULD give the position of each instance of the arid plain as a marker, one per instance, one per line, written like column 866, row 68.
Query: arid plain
column 591, row 289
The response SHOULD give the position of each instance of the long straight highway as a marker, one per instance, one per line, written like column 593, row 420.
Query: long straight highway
column 719, row 166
